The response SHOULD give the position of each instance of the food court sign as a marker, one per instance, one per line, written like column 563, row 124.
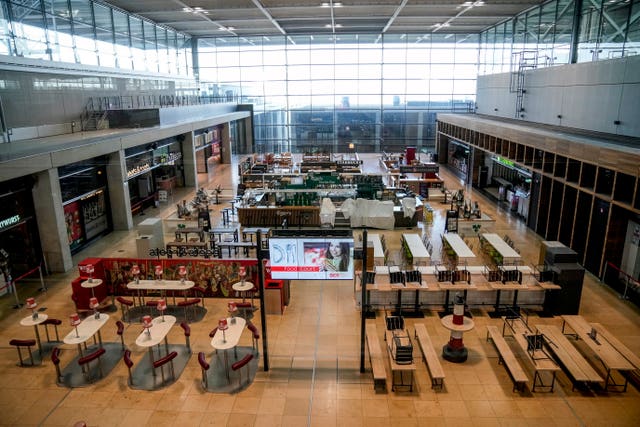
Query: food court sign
column 9, row 221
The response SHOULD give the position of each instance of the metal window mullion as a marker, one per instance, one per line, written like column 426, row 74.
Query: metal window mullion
column 575, row 32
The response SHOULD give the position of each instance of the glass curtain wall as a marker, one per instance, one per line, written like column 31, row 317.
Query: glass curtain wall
column 343, row 93
column 607, row 29
column 90, row 33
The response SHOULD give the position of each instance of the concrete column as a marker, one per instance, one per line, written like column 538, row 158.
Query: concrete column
column 189, row 161
column 47, row 200
column 119, row 192
column 225, row 144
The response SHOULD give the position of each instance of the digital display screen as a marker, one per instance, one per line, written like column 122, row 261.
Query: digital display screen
column 311, row 258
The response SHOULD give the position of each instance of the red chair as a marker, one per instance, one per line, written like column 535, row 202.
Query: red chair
column 204, row 367
column 163, row 361
column 55, row 323
column 188, row 303
column 127, row 361
column 125, row 304
column 241, row 364
column 55, row 359
column 199, row 292
column 255, row 336
column 86, row 360
column 187, row 333
column 120, row 332
column 24, row 343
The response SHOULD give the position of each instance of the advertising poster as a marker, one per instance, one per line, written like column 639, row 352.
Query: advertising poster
column 311, row 259
column 284, row 258
column 74, row 226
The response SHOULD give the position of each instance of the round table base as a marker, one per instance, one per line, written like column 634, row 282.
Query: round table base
column 455, row 355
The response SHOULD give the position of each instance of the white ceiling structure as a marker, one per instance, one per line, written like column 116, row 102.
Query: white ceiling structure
column 216, row 18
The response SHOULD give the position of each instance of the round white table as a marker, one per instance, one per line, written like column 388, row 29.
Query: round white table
column 30, row 321
column 242, row 287
column 90, row 284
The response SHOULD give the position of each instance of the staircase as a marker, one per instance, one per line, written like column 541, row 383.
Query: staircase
column 94, row 120
column 341, row 221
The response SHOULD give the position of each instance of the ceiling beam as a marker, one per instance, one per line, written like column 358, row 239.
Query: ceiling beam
column 395, row 15
column 268, row 15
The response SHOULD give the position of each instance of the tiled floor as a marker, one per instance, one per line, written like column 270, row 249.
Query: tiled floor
column 314, row 348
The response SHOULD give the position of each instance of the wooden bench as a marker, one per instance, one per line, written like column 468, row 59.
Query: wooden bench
column 622, row 349
column 506, row 357
column 429, row 356
column 375, row 357
column 611, row 359
column 576, row 366
column 539, row 359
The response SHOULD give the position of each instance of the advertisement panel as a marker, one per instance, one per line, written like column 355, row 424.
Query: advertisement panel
column 311, row 258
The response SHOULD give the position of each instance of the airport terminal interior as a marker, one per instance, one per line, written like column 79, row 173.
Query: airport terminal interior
column 314, row 351
column 305, row 213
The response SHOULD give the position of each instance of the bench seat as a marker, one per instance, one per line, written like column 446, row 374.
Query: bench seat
column 429, row 356
column 375, row 357
column 506, row 356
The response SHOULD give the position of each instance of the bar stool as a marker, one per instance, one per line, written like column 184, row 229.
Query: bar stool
column 187, row 333
column 241, row 364
column 204, row 367
column 125, row 304
column 127, row 361
column 55, row 323
column 23, row 343
column 255, row 336
column 55, row 359
column 120, row 332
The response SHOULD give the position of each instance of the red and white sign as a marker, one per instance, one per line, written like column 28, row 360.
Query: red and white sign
column 222, row 324
column 89, row 269
column 147, row 321
column 182, row 270
column 232, row 307
column 31, row 303
column 74, row 319
column 162, row 305
column 242, row 271
column 93, row 302
column 135, row 270
column 158, row 270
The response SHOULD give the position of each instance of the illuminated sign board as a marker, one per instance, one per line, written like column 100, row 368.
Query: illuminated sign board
column 311, row 258
column 504, row 161
column 9, row 221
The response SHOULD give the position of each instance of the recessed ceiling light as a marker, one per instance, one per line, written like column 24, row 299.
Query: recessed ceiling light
column 338, row 25
column 327, row 25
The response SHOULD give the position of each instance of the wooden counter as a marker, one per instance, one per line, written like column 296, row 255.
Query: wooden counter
column 307, row 216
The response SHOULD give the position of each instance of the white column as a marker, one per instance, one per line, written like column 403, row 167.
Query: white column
column 119, row 191
column 47, row 200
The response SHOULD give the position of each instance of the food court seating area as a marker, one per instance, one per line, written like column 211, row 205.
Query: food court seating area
column 314, row 373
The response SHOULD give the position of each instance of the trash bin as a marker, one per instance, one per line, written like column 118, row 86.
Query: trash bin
column 273, row 300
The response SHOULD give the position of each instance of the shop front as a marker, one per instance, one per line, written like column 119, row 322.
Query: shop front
column 153, row 168
column 85, row 202
column 19, row 235
column 207, row 146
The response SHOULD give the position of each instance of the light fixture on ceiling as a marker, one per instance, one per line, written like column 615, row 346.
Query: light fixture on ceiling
column 195, row 10
column 331, row 4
